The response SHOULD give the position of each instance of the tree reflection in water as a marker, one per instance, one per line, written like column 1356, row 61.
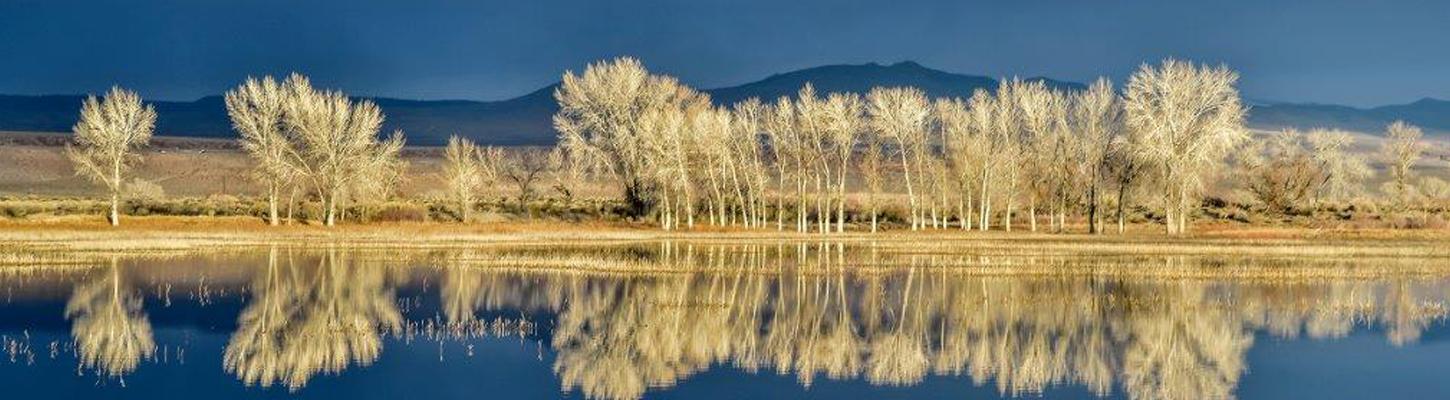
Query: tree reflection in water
column 631, row 318
column 302, row 321
column 110, row 329
column 843, row 313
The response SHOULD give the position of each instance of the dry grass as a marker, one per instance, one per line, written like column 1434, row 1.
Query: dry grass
column 1215, row 251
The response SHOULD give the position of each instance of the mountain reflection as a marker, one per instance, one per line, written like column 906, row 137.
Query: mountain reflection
column 628, row 319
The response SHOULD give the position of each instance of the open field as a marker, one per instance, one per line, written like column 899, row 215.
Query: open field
column 33, row 163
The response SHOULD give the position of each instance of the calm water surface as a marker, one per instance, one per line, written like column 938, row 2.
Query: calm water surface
column 672, row 320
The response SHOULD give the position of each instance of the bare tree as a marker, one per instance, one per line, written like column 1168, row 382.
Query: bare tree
column 335, row 144
column 779, row 124
column 872, row 170
column 1097, row 117
column 462, row 174
column 599, row 121
column 960, row 152
column 988, row 120
column 1279, row 172
column 843, row 132
column 523, row 167
column 1045, row 145
column 1341, row 173
column 1124, row 169
column 109, row 132
column 568, row 173
column 256, row 110
column 747, row 120
column 901, row 115
column 1399, row 151
column 1184, row 119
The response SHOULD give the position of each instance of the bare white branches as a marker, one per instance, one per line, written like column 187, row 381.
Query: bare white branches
column 109, row 132
column 462, row 174
column 321, row 138
column 1400, row 150
column 256, row 109
column 1184, row 119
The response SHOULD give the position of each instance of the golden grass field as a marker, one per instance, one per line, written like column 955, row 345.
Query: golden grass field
column 34, row 164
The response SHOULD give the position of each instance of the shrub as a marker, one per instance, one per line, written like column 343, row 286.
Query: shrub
column 401, row 212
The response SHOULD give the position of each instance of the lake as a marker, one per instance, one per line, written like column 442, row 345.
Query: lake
column 724, row 320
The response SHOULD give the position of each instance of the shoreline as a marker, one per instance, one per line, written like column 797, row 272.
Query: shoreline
column 181, row 233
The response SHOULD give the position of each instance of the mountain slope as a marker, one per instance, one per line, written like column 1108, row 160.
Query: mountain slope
column 527, row 119
column 522, row 120
column 860, row 79
column 1430, row 114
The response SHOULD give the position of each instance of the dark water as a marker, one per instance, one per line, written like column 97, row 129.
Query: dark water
column 703, row 321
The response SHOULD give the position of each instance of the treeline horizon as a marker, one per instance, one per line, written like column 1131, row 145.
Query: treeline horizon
column 1172, row 133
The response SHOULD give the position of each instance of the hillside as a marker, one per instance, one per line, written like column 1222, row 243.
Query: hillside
column 526, row 119
column 1431, row 114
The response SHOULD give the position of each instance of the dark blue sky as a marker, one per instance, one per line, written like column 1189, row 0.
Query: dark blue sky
column 1337, row 51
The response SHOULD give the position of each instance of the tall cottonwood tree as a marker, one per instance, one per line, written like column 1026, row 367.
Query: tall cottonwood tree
column 901, row 115
column 872, row 172
column 1399, row 151
column 954, row 125
column 1184, row 118
column 462, row 174
column 599, row 121
column 256, row 110
column 843, row 131
column 1097, row 119
column 786, row 153
column 107, row 136
column 335, row 146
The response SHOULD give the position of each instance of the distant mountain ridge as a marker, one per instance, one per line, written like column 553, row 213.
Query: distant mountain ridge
column 1433, row 115
column 526, row 120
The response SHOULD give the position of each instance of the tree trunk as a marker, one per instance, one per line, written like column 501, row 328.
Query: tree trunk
column 962, row 212
column 330, row 210
column 1093, row 227
column 1032, row 215
column 841, row 200
column 1122, row 203
column 272, row 194
column 115, row 217
column 1168, row 219
column 1007, row 217
column 873, row 217
column 910, row 193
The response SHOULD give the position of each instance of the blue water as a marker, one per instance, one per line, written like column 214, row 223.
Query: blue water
column 401, row 325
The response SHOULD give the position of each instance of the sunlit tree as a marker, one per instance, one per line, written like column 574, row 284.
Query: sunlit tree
column 461, row 174
column 107, row 137
column 600, row 115
column 1399, row 151
column 1341, row 173
column 256, row 110
column 1184, row 119
column 901, row 115
column 335, row 145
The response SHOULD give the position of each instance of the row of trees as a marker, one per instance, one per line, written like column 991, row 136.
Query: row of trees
column 303, row 140
column 797, row 161
column 962, row 162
